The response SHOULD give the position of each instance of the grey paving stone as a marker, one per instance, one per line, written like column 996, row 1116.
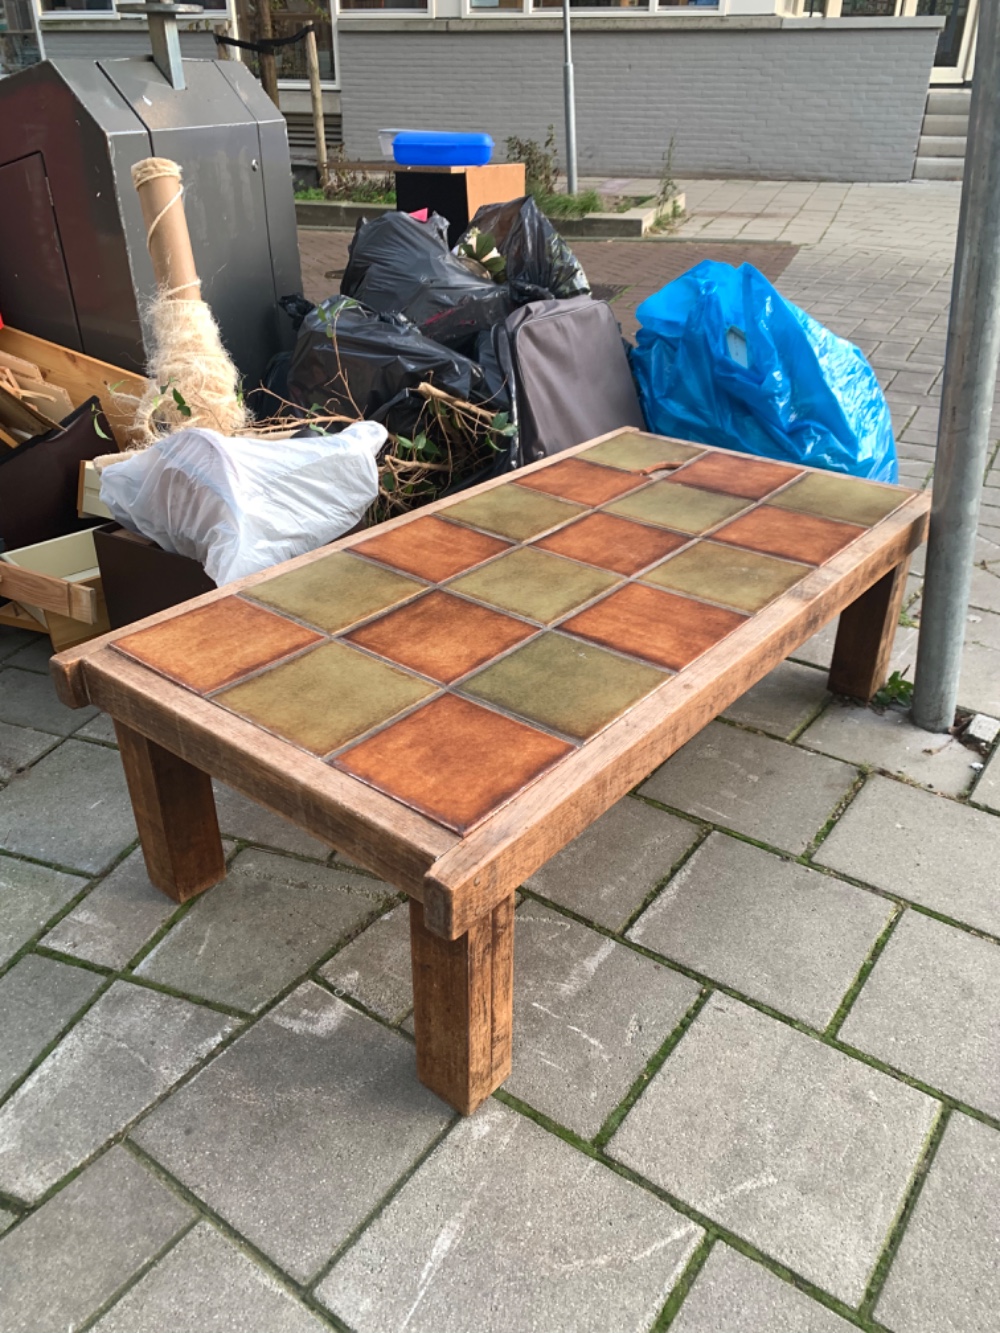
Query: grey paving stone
column 931, row 1007
column 945, row 1274
column 987, row 789
column 29, row 700
column 263, row 926
column 608, row 872
column 29, row 896
column 786, row 697
column 116, row 919
column 506, row 1227
column 763, row 788
column 296, row 1131
column 79, row 1248
column 733, row 1295
column 239, row 817
column 206, row 1285
column 375, row 968
column 805, row 1152
column 979, row 686
column 922, row 847
column 100, row 729
column 123, row 1054
column 71, row 808
column 20, row 746
column 34, row 654
column 38, row 997
column 774, row 930
column 588, row 1015
column 13, row 640
column 891, row 741
column 7, row 1219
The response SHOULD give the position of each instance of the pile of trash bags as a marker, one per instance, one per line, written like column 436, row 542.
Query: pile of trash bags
column 411, row 311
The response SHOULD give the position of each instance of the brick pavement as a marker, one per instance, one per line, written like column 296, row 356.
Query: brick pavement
column 755, row 1084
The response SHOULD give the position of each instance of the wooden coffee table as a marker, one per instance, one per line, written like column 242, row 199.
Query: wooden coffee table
column 451, row 698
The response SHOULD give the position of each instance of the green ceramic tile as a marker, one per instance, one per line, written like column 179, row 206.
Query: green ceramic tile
column 534, row 584
column 683, row 508
column 564, row 684
column 326, row 697
column 846, row 498
column 513, row 511
column 637, row 451
column 727, row 574
column 335, row 592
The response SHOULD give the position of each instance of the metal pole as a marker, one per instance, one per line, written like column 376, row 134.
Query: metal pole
column 970, row 373
column 569, row 94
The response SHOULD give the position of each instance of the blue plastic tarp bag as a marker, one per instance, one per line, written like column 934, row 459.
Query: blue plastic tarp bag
column 722, row 358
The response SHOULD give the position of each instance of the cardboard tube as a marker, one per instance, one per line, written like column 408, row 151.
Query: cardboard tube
column 158, row 183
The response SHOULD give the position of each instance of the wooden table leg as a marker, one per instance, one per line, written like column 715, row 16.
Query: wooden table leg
column 175, row 812
column 463, row 994
column 863, row 648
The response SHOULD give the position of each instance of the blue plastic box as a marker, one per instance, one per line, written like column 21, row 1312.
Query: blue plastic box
column 435, row 148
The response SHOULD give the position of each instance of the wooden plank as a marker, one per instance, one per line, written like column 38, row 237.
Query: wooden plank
column 18, row 414
column 81, row 376
column 17, row 618
column 493, row 184
column 463, row 1006
column 78, row 601
column 865, row 635
column 371, row 829
column 492, row 860
column 175, row 813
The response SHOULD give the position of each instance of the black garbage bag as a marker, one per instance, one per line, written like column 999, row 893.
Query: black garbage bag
column 357, row 360
column 399, row 265
column 536, row 255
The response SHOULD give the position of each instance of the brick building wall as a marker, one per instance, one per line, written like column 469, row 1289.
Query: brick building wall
column 821, row 101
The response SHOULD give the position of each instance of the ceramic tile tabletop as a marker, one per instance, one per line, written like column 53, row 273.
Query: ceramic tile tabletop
column 452, row 660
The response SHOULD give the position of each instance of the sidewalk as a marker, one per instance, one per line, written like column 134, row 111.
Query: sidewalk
column 757, row 1005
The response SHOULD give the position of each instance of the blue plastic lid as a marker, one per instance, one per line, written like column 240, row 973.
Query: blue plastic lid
column 439, row 148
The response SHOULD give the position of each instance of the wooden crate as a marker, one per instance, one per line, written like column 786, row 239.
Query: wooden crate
column 55, row 588
column 81, row 376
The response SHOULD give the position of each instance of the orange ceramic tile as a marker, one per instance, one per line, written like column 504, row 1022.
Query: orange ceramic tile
column 441, row 636
column 573, row 479
column 736, row 474
column 656, row 626
column 802, row 537
column 216, row 644
column 453, row 760
column 613, row 543
column 431, row 548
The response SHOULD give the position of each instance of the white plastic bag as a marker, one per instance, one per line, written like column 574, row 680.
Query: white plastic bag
column 238, row 506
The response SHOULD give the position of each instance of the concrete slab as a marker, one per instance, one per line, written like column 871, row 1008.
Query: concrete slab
column 267, row 923
column 609, row 871
column 756, row 786
column 116, row 919
column 589, row 1014
column 979, row 685
column 375, row 968
column 295, row 1133
column 800, row 1149
column 30, row 895
column 71, row 809
column 21, row 746
column 945, row 1274
column 29, row 700
column 239, row 817
column 734, row 1295
column 71, row 1256
column 504, row 1228
column 931, row 1007
column 987, row 789
column 38, row 997
column 125, row 1052
column 206, row 1283
column 922, row 847
column 780, row 703
column 891, row 741
column 779, row 933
